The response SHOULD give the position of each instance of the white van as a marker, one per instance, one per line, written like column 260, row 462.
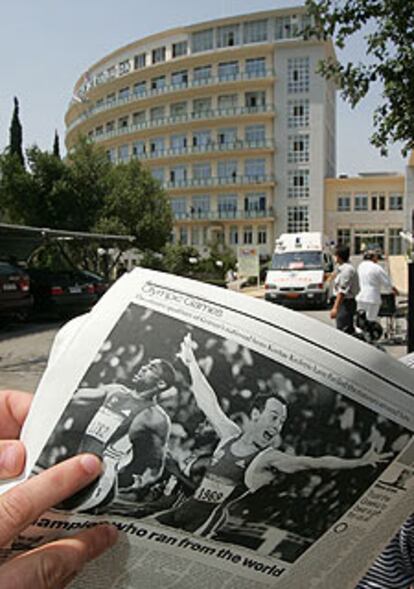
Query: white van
column 301, row 270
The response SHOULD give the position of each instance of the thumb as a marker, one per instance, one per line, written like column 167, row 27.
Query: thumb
column 12, row 458
column 54, row 565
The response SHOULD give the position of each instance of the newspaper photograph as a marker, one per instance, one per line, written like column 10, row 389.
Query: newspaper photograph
column 231, row 432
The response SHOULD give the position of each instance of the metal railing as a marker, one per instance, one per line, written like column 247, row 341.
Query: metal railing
column 218, row 215
column 211, row 147
column 218, row 181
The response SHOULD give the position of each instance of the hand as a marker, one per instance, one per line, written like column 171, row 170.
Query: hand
column 334, row 312
column 53, row 565
column 373, row 458
column 186, row 353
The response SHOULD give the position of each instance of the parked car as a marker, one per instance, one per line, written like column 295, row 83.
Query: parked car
column 61, row 292
column 99, row 283
column 16, row 300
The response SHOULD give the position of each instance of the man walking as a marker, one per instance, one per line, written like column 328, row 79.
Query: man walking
column 372, row 278
column 346, row 287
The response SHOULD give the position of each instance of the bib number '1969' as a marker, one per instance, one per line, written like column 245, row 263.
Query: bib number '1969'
column 211, row 491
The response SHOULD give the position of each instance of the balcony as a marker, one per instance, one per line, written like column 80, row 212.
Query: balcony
column 218, row 181
column 217, row 215
column 185, row 118
column 210, row 147
column 169, row 89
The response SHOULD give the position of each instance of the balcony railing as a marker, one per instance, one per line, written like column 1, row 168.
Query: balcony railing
column 218, row 215
column 218, row 181
column 184, row 118
column 171, row 88
column 210, row 147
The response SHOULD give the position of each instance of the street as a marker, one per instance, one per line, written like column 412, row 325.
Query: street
column 24, row 349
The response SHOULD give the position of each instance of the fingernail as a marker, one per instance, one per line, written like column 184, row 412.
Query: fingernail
column 9, row 458
column 91, row 464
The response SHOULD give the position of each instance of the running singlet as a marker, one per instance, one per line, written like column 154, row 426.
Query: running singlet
column 224, row 474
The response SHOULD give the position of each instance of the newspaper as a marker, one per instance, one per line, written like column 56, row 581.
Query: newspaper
column 244, row 444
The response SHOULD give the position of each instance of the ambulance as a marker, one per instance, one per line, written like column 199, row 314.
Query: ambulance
column 301, row 271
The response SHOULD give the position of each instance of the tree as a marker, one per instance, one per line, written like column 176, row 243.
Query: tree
column 16, row 134
column 56, row 148
column 388, row 26
column 137, row 205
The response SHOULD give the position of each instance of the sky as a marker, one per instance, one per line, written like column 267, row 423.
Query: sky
column 45, row 45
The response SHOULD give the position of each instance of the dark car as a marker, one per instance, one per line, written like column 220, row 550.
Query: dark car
column 61, row 292
column 100, row 285
column 16, row 300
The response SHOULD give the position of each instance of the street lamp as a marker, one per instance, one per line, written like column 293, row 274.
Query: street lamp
column 408, row 236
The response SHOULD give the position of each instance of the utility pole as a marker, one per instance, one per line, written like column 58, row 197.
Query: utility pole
column 410, row 318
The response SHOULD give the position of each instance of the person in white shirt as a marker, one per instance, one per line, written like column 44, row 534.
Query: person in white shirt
column 372, row 278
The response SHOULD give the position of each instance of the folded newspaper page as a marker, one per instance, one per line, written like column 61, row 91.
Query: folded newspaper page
column 244, row 444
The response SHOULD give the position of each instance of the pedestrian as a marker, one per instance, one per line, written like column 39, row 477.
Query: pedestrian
column 372, row 279
column 346, row 288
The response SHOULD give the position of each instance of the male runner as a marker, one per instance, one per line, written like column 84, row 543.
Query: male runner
column 129, row 429
column 242, row 459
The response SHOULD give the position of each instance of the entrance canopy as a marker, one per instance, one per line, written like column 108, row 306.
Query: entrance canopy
column 20, row 241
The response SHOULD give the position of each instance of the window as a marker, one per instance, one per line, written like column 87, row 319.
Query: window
column 195, row 236
column 111, row 97
column 158, row 83
column 140, row 88
column 364, row 237
column 158, row 174
column 138, row 148
column 255, row 168
column 200, row 206
column 395, row 242
column 298, row 184
column 202, row 41
column 110, row 126
column 201, row 138
column 179, row 48
column 298, row 148
column 234, row 235
column 202, row 74
column 343, row 236
column 178, row 142
column 255, row 133
column 227, row 206
column 227, row 101
column 255, row 31
column 100, row 78
column 361, row 202
column 124, row 67
column 228, row 36
column 178, row 174
column 111, row 73
column 123, row 153
column 178, row 207
column 157, row 113
column 227, row 170
column 111, row 154
column 158, row 55
column 183, row 236
column 157, row 145
column 343, row 202
column 201, row 106
column 140, row 61
column 298, row 75
column 227, row 136
column 255, row 203
column 247, row 234
column 262, row 235
column 202, row 171
column 123, row 123
column 178, row 109
column 138, row 117
column 99, row 103
column 289, row 27
column 298, row 219
column 228, row 70
column 256, row 67
column 123, row 94
column 396, row 202
column 99, row 130
column 179, row 79
column 255, row 99
column 298, row 113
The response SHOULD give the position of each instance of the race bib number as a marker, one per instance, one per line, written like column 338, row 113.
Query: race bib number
column 104, row 424
column 211, row 491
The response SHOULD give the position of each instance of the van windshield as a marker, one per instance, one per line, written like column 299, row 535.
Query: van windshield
column 309, row 260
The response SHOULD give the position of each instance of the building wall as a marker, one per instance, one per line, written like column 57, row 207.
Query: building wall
column 247, row 178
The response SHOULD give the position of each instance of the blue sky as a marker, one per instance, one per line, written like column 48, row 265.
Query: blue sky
column 46, row 44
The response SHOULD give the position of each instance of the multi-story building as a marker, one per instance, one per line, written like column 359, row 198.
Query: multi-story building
column 229, row 115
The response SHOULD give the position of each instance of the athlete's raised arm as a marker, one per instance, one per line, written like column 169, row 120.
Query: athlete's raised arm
column 204, row 394
column 91, row 394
